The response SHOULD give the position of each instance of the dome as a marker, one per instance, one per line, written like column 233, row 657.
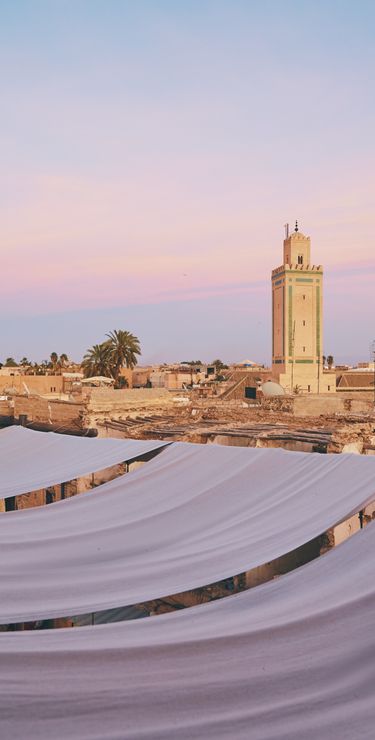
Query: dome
column 270, row 388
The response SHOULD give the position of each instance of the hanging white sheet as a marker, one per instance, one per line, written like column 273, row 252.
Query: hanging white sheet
column 194, row 515
column 32, row 460
column 290, row 660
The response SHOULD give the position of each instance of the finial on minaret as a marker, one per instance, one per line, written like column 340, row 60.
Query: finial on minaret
column 296, row 226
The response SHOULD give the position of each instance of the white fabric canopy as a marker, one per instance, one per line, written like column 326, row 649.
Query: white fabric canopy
column 290, row 660
column 194, row 515
column 32, row 460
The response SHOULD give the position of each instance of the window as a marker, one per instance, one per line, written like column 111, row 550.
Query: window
column 304, row 323
column 300, row 259
column 304, row 297
column 304, row 349
column 53, row 389
column 309, row 388
column 329, row 387
column 49, row 495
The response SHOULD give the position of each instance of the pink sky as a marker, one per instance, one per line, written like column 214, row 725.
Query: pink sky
column 151, row 155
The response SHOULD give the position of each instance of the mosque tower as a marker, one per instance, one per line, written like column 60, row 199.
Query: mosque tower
column 297, row 319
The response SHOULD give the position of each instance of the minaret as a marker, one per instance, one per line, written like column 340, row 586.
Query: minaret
column 297, row 304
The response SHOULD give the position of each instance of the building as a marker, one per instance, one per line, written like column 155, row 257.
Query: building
column 297, row 320
column 361, row 380
column 181, row 377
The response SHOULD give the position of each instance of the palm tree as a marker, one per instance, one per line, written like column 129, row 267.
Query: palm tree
column 25, row 362
column 123, row 348
column 61, row 362
column 54, row 358
column 96, row 361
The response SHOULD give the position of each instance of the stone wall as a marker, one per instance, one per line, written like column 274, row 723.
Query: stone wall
column 104, row 403
column 67, row 414
column 126, row 395
column 319, row 405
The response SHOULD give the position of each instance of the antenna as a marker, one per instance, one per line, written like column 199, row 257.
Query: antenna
column 286, row 227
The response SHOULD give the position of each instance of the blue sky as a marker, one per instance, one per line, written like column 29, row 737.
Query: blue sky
column 150, row 153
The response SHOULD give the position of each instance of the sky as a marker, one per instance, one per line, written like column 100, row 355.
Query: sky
column 151, row 153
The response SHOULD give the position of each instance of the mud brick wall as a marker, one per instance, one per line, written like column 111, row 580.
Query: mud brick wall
column 63, row 413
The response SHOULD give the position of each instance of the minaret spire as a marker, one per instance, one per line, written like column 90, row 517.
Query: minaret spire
column 296, row 227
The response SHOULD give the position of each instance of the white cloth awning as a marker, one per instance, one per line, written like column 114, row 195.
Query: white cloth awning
column 290, row 660
column 32, row 460
column 194, row 515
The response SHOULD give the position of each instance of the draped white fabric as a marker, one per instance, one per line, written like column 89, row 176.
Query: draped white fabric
column 194, row 515
column 290, row 660
column 32, row 460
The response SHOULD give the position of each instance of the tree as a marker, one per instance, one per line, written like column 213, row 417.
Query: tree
column 57, row 363
column 25, row 362
column 123, row 349
column 54, row 358
column 330, row 361
column 97, row 361
column 219, row 365
column 10, row 362
column 107, row 359
column 61, row 363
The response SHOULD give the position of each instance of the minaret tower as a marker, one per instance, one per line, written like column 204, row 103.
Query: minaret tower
column 297, row 305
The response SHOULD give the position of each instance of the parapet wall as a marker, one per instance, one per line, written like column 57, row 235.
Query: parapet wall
column 324, row 404
column 67, row 414
column 96, row 404
column 93, row 395
column 104, row 403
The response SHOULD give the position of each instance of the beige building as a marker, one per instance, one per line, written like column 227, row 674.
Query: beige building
column 297, row 320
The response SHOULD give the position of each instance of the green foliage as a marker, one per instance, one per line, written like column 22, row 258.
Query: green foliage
column 96, row 361
column 57, row 363
column 107, row 359
column 123, row 348
column 219, row 365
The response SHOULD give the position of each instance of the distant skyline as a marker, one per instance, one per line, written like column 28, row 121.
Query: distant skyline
column 150, row 155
